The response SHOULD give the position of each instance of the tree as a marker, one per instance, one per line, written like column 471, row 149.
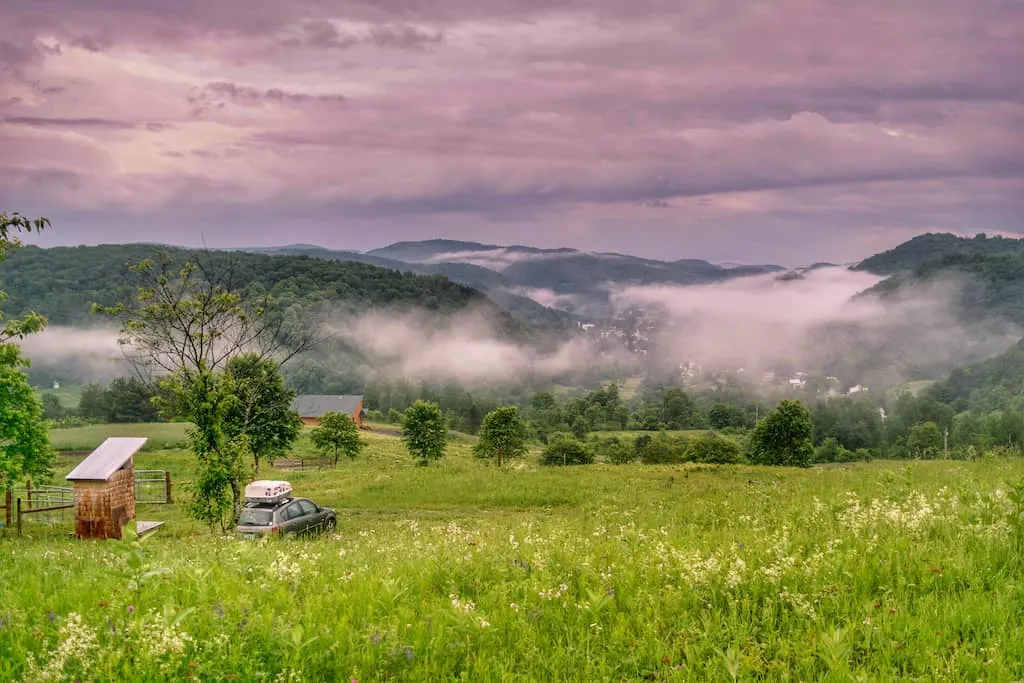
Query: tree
column 661, row 449
column 924, row 440
column 615, row 451
column 424, row 431
column 52, row 407
column 580, row 427
column 783, row 437
column 831, row 450
column 337, row 434
column 17, row 328
column 723, row 416
column 129, row 399
column 565, row 450
column 92, row 404
column 263, row 412
column 502, row 435
column 712, row 448
column 24, row 444
column 187, row 321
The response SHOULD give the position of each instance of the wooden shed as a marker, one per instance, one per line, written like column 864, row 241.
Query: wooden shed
column 311, row 407
column 104, row 485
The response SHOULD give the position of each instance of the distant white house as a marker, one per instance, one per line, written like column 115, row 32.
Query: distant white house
column 857, row 389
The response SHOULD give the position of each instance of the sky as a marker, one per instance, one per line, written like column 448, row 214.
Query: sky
column 786, row 131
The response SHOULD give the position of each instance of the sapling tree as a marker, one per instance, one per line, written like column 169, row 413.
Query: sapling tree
column 185, row 324
column 336, row 435
column 502, row 435
column 24, row 445
column 424, row 431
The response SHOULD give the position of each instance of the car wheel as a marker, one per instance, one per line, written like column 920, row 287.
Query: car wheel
column 331, row 524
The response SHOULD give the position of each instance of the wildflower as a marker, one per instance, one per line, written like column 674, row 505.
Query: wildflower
column 736, row 573
column 160, row 639
column 457, row 603
column 78, row 642
column 513, row 606
column 285, row 569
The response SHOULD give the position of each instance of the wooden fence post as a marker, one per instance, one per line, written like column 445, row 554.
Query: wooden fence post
column 28, row 492
column 8, row 504
column 19, row 516
column 167, row 486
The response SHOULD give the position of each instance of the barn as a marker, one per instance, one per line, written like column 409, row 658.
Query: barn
column 311, row 407
column 104, row 485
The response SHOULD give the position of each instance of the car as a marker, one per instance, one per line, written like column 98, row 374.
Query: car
column 271, row 510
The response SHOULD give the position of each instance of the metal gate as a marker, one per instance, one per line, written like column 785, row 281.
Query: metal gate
column 57, row 502
column 152, row 486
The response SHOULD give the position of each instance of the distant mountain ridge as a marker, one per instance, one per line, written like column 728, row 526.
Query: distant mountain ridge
column 538, row 284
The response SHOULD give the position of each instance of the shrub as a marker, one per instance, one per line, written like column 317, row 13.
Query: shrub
column 615, row 451
column 565, row 450
column 712, row 448
column 661, row 449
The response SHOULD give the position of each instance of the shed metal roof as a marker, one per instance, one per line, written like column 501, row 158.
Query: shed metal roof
column 108, row 458
column 315, row 405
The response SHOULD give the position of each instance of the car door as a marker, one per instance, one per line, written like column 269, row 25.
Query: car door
column 292, row 519
column 310, row 514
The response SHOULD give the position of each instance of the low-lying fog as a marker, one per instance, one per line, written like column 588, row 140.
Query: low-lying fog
column 815, row 324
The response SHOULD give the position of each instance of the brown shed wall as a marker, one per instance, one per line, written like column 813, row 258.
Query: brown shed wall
column 103, row 507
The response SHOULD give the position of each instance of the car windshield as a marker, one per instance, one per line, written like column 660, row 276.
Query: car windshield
column 256, row 517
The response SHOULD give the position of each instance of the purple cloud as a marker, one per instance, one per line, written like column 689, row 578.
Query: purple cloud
column 759, row 129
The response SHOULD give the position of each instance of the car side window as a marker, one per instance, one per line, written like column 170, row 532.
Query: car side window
column 291, row 512
column 308, row 508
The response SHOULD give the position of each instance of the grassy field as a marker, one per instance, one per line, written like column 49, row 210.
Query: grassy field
column 161, row 435
column 461, row 571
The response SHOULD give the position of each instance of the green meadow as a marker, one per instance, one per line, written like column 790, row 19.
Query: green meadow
column 906, row 571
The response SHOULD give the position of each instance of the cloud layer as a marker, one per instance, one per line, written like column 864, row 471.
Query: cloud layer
column 817, row 324
column 786, row 130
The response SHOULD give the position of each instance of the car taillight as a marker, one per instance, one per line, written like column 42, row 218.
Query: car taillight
column 275, row 529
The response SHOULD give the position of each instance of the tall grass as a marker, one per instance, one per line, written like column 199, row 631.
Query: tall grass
column 875, row 571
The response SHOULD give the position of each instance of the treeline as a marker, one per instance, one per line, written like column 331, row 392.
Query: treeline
column 62, row 282
column 124, row 400
column 843, row 428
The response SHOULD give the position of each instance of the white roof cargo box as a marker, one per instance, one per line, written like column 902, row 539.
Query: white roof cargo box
column 267, row 491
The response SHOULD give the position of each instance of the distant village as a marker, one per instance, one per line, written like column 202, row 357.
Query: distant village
column 636, row 334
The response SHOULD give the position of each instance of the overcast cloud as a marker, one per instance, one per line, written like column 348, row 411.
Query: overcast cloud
column 782, row 131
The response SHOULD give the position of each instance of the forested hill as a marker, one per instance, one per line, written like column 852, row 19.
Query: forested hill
column 932, row 249
column 987, row 271
column 991, row 381
column 62, row 282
